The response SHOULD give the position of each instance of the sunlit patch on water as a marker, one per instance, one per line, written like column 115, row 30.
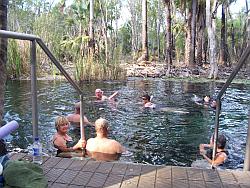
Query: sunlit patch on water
column 170, row 136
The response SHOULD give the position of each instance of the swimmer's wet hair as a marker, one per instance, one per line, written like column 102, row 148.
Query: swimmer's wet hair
column 222, row 140
column 146, row 96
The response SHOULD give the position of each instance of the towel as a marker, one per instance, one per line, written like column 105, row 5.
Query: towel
column 24, row 174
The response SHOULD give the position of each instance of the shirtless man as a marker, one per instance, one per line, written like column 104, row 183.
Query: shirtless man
column 101, row 147
column 75, row 118
column 100, row 97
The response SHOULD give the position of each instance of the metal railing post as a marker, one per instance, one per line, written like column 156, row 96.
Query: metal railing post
column 34, row 88
column 247, row 155
column 81, row 118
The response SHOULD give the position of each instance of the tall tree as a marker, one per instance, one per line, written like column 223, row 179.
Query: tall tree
column 91, row 28
column 223, row 45
column 168, row 52
column 190, row 34
column 158, row 29
column 3, row 54
column 211, row 25
column 200, row 32
column 134, row 26
column 144, row 56
column 104, row 29
column 193, row 33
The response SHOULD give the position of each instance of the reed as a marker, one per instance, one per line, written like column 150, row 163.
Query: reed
column 89, row 70
column 16, row 58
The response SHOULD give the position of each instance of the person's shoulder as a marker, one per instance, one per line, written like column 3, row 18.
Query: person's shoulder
column 90, row 140
column 114, row 143
column 70, row 117
column 58, row 139
column 150, row 105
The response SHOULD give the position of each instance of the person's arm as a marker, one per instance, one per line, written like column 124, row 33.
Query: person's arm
column 80, row 144
column 113, row 95
column 87, row 122
column 218, row 160
column 60, row 144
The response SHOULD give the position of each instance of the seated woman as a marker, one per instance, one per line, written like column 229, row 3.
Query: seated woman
column 63, row 142
column 221, row 154
column 101, row 147
column 147, row 101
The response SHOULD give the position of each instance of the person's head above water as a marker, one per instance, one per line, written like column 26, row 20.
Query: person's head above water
column 101, row 126
column 77, row 108
column 146, row 98
column 60, row 122
column 206, row 99
column 98, row 93
column 221, row 142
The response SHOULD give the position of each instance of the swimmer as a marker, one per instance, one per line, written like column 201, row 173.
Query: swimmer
column 100, row 97
column 75, row 118
column 62, row 141
column 101, row 147
column 206, row 101
column 221, row 154
column 147, row 101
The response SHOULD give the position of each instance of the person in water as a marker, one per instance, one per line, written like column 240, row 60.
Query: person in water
column 207, row 102
column 75, row 118
column 221, row 154
column 147, row 101
column 100, row 97
column 101, row 147
column 62, row 141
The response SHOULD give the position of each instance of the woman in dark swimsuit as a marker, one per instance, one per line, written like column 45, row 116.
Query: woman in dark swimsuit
column 62, row 141
column 221, row 153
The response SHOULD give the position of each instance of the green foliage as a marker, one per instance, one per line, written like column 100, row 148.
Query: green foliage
column 125, row 38
column 15, row 67
column 88, row 70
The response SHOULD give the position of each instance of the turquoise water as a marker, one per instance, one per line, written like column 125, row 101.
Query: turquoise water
column 169, row 135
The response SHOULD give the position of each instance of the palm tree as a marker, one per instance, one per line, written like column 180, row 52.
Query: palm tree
column 3, row 54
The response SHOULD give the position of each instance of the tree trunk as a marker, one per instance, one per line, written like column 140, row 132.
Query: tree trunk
column 158, row 30
column 211, row 40
column 223, row 48
column 3, row 54
column 193, row 34
column 91, row 28
column 104, row 22
column 188, row 38
column 144, row 56
column 200, row 33
column 248, row 41
column 168, row 52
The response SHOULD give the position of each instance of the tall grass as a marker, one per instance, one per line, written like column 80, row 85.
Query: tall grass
column 18, row 63
column 89, row 69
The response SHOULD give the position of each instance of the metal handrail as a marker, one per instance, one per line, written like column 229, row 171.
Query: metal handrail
column 35, row 39
column 243, row 59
